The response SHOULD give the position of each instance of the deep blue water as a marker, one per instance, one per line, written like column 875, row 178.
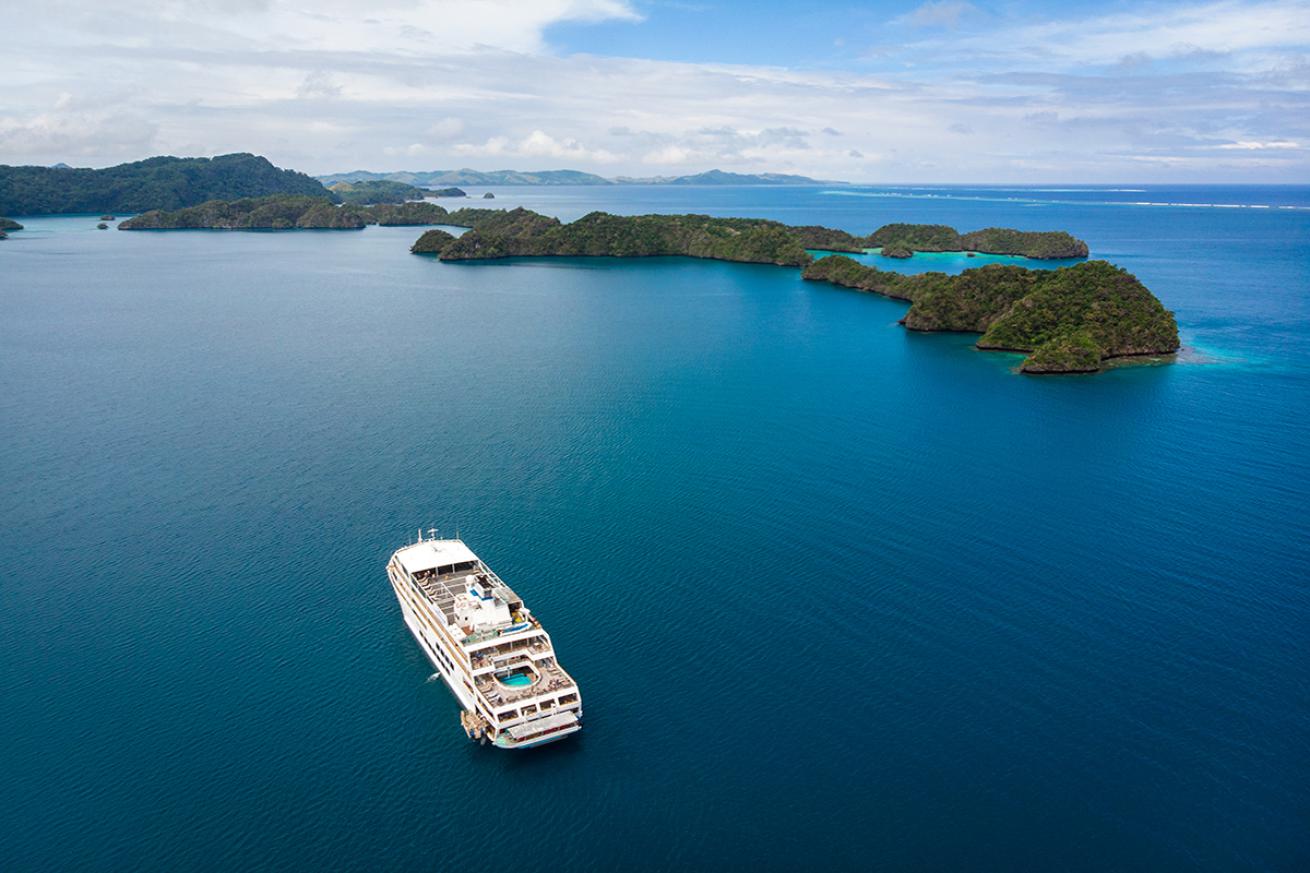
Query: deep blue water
column 836, row 594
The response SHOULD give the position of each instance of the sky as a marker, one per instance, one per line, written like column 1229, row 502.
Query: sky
column 938, row 91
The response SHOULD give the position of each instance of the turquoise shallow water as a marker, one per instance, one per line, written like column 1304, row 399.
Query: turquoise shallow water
column 833, row 590
column 944, row 262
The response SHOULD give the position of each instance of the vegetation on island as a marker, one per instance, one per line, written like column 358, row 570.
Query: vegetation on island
column 916, row 237
column 281, row 212
column 521, row 232
column 829, row 240
column 253, row 213
column 1094, row 302
column 445, row 192
column 900, row 238
column 156, row 183
column 1069, row 320
column 375, row 191
column 9, row 224
column 431, row 242
column 406, row 214
column 968, row 302
column 1040, row 245
column 849, row 273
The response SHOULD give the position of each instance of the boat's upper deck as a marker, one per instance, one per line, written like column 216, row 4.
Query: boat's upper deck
column 507, row 658
column 464, row 589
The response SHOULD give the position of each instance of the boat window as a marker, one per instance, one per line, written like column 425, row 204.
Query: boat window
column 444, row 569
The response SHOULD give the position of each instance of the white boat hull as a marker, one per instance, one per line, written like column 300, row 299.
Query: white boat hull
column 485, row 645
column 428, row 643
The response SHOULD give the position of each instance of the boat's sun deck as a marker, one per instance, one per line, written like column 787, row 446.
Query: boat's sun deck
column 491, row 645
column 443, row 589
column 550, row 679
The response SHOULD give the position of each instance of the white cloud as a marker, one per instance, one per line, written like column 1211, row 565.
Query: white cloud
column 668, row 155
column 1249, row 145
column 1150, row 31
column 394, row 26
column 445, row 129
column 537, row 144
column 75, row 128
column 413, row 150
column 335, row 85
column 318, row 84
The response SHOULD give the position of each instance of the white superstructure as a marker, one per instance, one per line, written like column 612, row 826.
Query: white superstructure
column 486, row 645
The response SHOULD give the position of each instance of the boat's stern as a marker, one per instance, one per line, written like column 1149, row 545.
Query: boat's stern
column 539, row 731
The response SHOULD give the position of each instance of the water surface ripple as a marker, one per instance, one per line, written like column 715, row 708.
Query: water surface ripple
column 834, row 592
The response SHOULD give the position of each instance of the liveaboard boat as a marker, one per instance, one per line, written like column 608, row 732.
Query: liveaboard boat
column 491, row 651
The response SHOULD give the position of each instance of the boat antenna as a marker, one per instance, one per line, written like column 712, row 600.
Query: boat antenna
column 420, row 535
column 432, row 533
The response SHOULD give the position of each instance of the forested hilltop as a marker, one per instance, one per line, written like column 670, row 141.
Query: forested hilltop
column 1051, row 244
column 519, row 232
column 524, row 233
column 1070, row 320
column 282, row 212
column 373, row 191
column 156, row 183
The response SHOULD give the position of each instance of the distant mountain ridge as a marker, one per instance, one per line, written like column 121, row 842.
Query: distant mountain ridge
column 434, row 178
column 566, row 177
column 722, row 177
column 170, row 183
column 156, row 183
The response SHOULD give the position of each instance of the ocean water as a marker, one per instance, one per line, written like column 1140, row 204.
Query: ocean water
column 836, row 594
column 946, row 262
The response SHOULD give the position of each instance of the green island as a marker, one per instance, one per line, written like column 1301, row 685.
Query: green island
column 6, row 225
column 1041, row 245
column 735, row 239
column 373, row 191
column 156, row 183
column 282, row 212
column 520, row 232
column 1069, row 320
